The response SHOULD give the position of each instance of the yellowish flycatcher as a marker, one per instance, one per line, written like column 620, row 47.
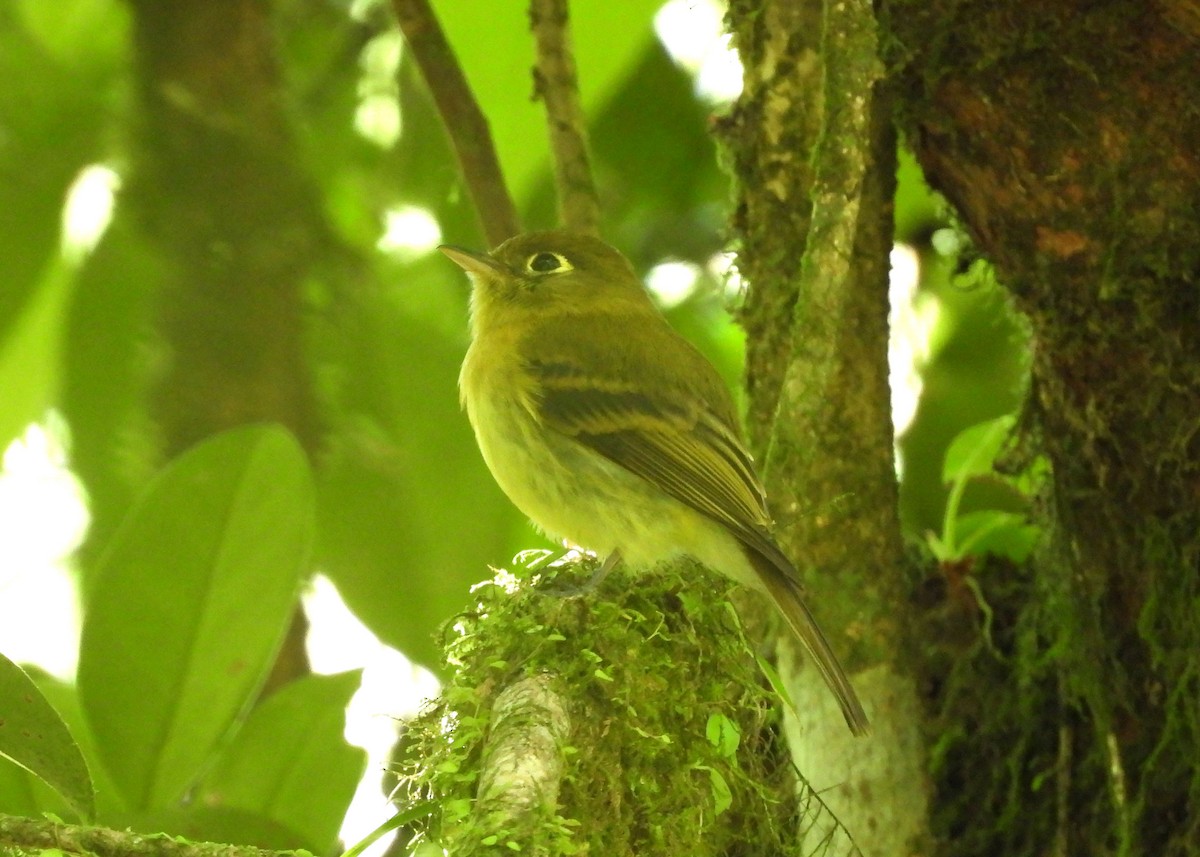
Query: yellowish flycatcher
column 611, row 431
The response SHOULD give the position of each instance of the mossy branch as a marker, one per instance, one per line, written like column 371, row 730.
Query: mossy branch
column 21, row 836
column 625, row 722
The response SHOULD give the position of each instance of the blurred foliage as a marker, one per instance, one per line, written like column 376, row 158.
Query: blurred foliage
column 972, row 456
column 973, row 363
column 185, row 620
column 55, row 759
column 405, row 517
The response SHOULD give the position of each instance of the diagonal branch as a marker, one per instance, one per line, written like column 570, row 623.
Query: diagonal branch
column 556, row 83
column 462, row 118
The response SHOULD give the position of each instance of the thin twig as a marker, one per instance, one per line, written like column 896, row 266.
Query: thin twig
column 462, row 118
column 557, row 84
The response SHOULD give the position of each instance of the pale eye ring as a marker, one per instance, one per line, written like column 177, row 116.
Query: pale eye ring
column 547, row 263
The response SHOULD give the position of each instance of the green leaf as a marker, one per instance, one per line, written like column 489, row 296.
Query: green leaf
column 64, row 697
column 723, row 734
column 104, row 377
column 974, row 450
column 308, row 718
column 415, row 811
column 55, row 111
column 191, row 602
column 1006, row 534
column 722, row 795
column 212, row 824
column 17, row 794
column 33, row 736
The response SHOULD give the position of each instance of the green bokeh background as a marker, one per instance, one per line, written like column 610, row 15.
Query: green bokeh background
column 408, row 515
column 407, row 518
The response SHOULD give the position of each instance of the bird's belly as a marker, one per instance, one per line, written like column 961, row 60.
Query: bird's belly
column 571, row 492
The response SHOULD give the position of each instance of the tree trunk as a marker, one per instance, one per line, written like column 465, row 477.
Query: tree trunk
column 1067, row 137
column 813, row 154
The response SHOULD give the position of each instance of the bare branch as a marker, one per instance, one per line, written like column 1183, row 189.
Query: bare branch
column 557, row 84
column 462, row 118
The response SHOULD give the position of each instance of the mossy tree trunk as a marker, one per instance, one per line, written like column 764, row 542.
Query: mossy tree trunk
column 813, row 155
column 1066, row 136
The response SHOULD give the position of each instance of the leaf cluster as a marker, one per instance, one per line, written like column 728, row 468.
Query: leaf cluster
column 162, row 732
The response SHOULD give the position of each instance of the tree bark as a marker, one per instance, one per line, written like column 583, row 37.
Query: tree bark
column 813, row 154
column 217, row 190
column 1067, row 137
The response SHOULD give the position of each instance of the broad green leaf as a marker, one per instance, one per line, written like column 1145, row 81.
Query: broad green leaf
column 17, row 793
column 52, row 118
column 104, row 377
column 64, row 696
column 34, row 736
column 657, row 207
column 289, row 742
column 22, row 793
column 974, row 450
column 191, row 601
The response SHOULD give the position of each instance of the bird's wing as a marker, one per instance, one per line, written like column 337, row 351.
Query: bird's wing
column 680, row 438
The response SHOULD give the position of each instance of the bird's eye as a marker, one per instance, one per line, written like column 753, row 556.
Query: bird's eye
column 545, row 263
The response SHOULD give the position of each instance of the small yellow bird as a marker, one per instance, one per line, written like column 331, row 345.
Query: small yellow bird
column 610, row 430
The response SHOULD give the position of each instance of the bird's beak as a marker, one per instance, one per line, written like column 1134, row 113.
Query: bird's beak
column 472, row 262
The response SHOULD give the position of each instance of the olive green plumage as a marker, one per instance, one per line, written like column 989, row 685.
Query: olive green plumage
column 611, row 431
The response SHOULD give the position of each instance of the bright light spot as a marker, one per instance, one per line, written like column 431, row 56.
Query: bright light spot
column 692, row 32
column 672, row 282
column 377, row 117
column 911, row 320
column 720, row 78
column 43, row 518
column 723, row 266
column 88, row 210
column 362, row 10
column 408, row 231
column 947, row 242
column 687, row 29
column 392, row 687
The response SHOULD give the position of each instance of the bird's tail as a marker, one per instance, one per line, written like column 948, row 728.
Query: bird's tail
column 784, row 590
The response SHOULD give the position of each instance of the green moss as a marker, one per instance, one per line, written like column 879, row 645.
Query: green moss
column 675, row 746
